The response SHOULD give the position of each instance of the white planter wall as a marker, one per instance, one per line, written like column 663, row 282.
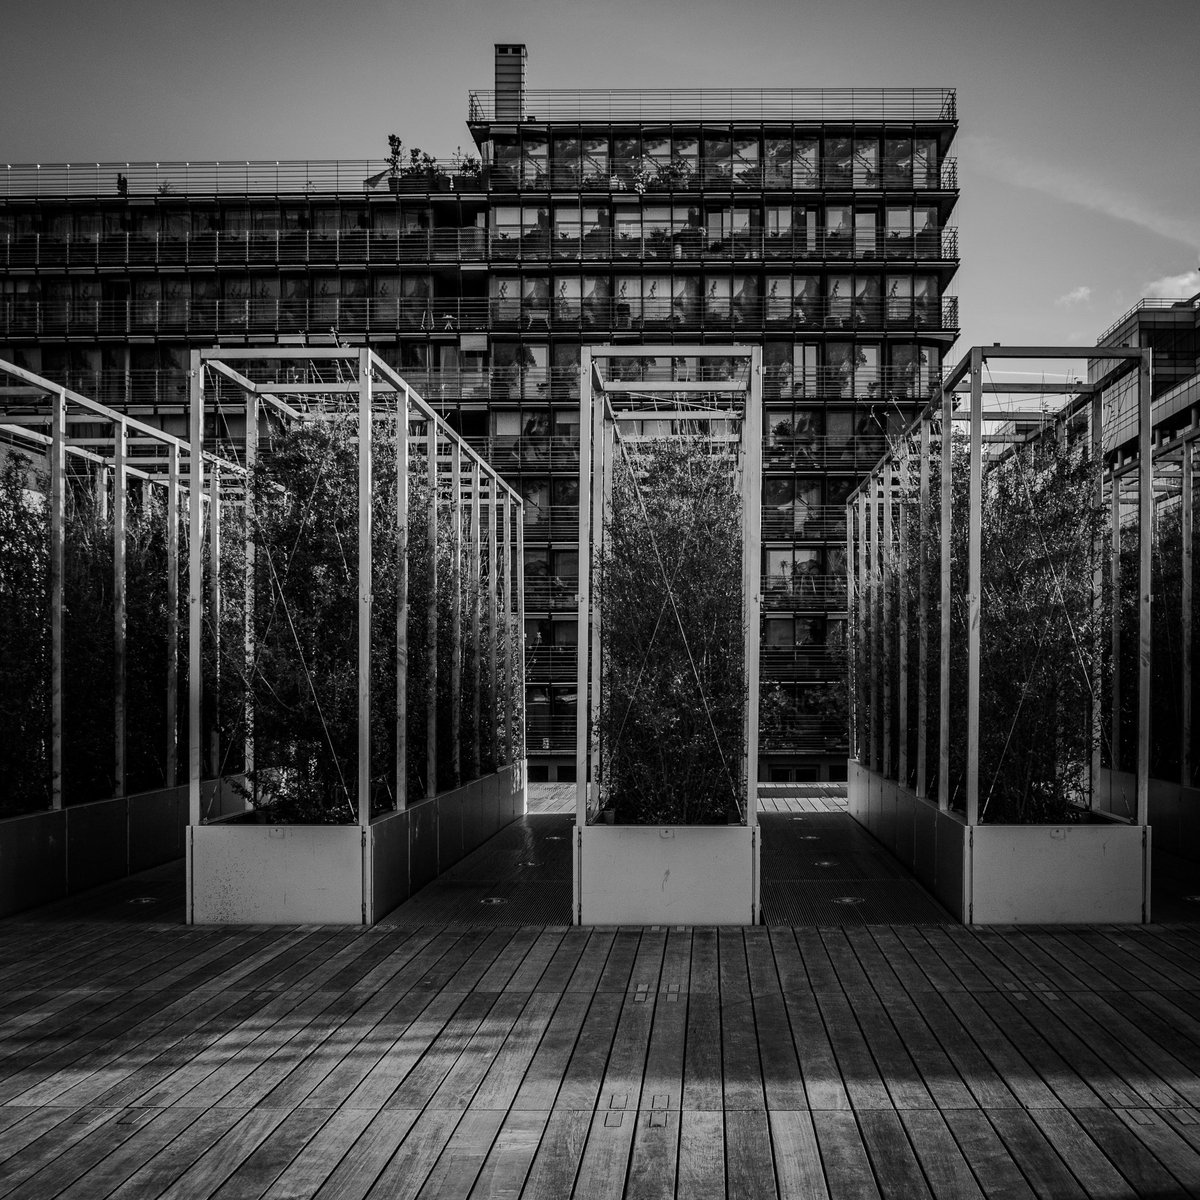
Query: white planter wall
column 1009, row 874
column 667, row 875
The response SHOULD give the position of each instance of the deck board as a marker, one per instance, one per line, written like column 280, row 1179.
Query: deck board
column 139, row 1058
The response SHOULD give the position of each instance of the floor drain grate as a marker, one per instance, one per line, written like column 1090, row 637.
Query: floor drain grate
column 143, row 900
column 849, row 900
column 493, row 900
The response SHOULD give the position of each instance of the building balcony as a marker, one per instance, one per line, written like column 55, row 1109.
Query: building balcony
column 748, row 105
column 550, row 664
column 805, row 523
column 270, row 315
column 805, row 735
column 802, row 664
column 503, row 244
column 550, row 594
column 552, row 523
column 805, row 593
column 548, row 735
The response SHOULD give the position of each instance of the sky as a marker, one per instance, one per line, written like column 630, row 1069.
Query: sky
column 1078, row 149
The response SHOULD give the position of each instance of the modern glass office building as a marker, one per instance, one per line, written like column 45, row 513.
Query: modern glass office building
column 817, row 223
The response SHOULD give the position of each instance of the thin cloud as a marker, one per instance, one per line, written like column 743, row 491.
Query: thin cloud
column 1079, row 295
column 994, row 158
column 1173, row 286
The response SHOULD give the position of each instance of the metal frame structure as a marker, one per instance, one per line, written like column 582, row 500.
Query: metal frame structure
column 365, row 385
column 604, row 402
column 37, row 416
column 879, row 529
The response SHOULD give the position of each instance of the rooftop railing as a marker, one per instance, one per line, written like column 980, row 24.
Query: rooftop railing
column 725, row 104
column 1150, row 303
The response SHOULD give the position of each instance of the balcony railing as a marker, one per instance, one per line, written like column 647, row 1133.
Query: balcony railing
column 804, row 664
column 725, row 104
column 553, row 664
column 468, row 245
column 547, row 594
column 810, row 523
column 806, row 735
column 272, row 315
column 553, row 523
column 644, row 176
column 548, row 735
column 805, row 593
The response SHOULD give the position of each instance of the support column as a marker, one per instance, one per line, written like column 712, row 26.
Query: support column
column 521, row 751
column 1114, row 568
column 887, row 564
column 402, row 602
column 476, row 619
column 119, row 524
column 974, row 583
column 214, row 609
column 947, row 516
column 752, row 586
column 1145, row 546
column 195, row 599
column 866, row 625
column 853, row 626
column 583, row 626
column 1187, row 529
column 509, row 672
column 924, row 538
column 250, row 571
column 172, row 746
column 363, row 775
column 493, row 692
column 431, row 729
column 456, row 612
column 901, row 573
column 58, row 492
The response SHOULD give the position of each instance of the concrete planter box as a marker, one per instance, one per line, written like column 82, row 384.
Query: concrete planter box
column 45, row 856
column 240, row 873
column 1093, row 872
column 667, row 875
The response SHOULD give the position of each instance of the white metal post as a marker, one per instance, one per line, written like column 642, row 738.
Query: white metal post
column 853, row 627
column 902, row 574
column 946, row 519
column 1145, row 546
column 456, row 614
column 402, row 601
column 924, row 522
column 214, row 608
column 119, row 524
column 58, row 492
column 476, row 618
column 1187, row 529
column 195, row 598
column 363, row 781
column 887, row 565
column 974, row 583
column 586, row 422
column 431, row 730
column 520, row 750
column 250, row 571
column 493, row 616
column 172, row 747
column 752, row 584
column 866, row 626
column 509, row 673
column 1114, row 567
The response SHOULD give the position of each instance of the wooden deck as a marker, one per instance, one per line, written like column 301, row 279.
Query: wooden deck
column 140, row 1058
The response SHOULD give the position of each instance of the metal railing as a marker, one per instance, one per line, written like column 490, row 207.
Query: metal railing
column 552, row 523
column 804, row 522
column 550, row 663
column 471, row 244
column 1149, row 303
column 181, row 180
column 644, row 175
column 802, row 663
column 274, row 315
column 724, row 104
column 549, row 735
column 553, row 593
column 804, row 593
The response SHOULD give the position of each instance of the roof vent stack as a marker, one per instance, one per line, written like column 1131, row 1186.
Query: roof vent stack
column 510, row 83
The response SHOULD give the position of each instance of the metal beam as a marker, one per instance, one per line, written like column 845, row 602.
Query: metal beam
column 363, row 784
column 974, row 585
column 402, row 551
column 120, row 515
column 456, row 540
column 431, row 615
column 587, row 417
column 58, row 489
column 172, row 698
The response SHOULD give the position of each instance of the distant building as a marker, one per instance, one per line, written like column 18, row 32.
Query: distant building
column 816, row 223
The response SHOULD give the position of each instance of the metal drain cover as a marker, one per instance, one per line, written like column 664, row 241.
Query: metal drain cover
column 849, row 900
column 1191, row 899
column 143, row 900
column 825, row 862
column 493, row 900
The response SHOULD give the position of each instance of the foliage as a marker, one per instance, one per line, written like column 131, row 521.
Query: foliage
column 304, row 683
column 673, row 687
column 24, row 639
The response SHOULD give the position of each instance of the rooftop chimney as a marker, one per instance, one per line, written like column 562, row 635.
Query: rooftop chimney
column 510, row 83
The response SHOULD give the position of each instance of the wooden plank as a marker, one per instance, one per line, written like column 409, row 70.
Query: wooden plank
column 760, row 961
column 535, row 963
column 946, row 1170
column 557, row 975
column 590, row 967
column 556, row 1163
column 701, row 1169
column 823, row 1083
column 1048, row 1175
column 847, row 1166
column 862, row 1080
column 897, row 1171
column 655, row 1155
column 504, row 1171
column 663, row 1080
column 618, row 967
column 462, row 1159
column 1096, row 1175
column 580, row 1087
column 509, row 1065
column 1124, row 1141
column 458, row 1088
column 702, row 1053
column 621, row 1087
column 260, row 1169
column 782, row 1078
column 540, row 1085
column 895, row 1064
column 156, row 1177
column 749, row 1169
column 704, row 976
column 797, row 1158
column 306, row 1172
column 998, row 1175
column 108, row 1160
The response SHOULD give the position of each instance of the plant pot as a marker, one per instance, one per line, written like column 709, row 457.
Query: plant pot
column 610, row 816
